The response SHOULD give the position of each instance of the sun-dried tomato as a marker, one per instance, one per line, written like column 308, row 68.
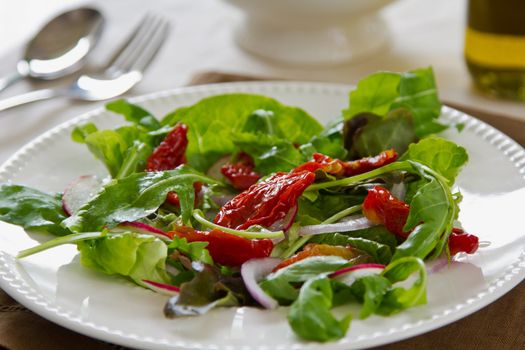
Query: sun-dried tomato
column 173, row 198
column 225, row 248
column 460, row 241
column 364, row 165
column 381, row 207
column 171, row 151
column 241, row 174
column 313, row 249
column 266, row 202
column 337, row 167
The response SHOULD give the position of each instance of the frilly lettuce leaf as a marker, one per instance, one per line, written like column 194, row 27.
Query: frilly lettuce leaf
column 133, row 255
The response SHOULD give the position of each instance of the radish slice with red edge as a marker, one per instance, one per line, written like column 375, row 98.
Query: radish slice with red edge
column 349, row 275
column 79, row 192
column 161, row 288
column 351, row 223
column 140, row 227
column 254, row 270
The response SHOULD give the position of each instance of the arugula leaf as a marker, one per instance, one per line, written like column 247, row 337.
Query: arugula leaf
column 378, row 234
column 212, row 121
column 324, row 206
column 135, row 197
column 379, row 252
column 399, row 298
column 370, row 290
column 441, row 155
column 196, row 251
column 134, row 114
column 134, row 255
column 432, row 214
column 280, row 284
column 32, row 209
column 310, row 316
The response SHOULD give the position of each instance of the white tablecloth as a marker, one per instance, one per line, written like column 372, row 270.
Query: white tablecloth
column 423, row 32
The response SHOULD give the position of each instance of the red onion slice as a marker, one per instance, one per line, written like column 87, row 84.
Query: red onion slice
column 162, row 288
column 254, row 270
column 143, row 228
column 349, row 275
column 350, row 223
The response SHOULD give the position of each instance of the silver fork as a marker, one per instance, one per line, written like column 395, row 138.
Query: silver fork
column 123, row 71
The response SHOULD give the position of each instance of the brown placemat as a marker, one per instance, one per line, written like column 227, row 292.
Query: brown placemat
column 498, row 326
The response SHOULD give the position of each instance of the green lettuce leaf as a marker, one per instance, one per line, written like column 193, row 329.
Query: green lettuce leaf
column 32, row 209
column 310, row 315
column 441, row 155
column 133, row 255
column 135, row 197
column 329, row 142
column 395, row 130
column 414, row 91
column 212, row 121
column 196, row 251
column 135, row 114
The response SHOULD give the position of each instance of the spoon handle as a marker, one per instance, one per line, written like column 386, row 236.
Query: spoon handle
column 10, row 79
column 32, row 96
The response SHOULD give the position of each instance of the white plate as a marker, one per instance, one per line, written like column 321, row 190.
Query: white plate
column 54, row 285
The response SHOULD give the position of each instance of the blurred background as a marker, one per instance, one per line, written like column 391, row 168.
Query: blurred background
column 385, row 35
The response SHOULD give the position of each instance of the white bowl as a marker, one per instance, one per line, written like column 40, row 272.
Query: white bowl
column 311, row 31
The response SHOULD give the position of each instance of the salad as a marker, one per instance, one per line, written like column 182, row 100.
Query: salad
column 240, row 200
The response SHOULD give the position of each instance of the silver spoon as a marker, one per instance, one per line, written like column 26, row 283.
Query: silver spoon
column 60, row 47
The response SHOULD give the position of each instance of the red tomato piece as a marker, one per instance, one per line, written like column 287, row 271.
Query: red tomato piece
column 170, row 153
column 337, row 167
column 225, row 248
column 265, row 202
column 381, row 207
column 364, row 165
column 241, row 174
column 460, row 241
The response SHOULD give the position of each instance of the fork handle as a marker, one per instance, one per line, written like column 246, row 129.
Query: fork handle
column 32, row 96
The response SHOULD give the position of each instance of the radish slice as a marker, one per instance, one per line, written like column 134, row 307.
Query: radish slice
column 143, row 228
column 254, row 270
column 349, row 275
column 350, row 223
column 79, row 192
column 161, row 287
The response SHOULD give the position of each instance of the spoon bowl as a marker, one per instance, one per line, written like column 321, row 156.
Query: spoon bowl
column 60, row 47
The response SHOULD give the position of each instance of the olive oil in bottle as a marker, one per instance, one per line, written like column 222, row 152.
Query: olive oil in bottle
column 495, row 46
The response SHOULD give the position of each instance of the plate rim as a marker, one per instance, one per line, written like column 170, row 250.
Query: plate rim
column 28, row 297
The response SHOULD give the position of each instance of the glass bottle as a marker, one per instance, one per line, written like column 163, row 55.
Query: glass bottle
column 495, row 46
